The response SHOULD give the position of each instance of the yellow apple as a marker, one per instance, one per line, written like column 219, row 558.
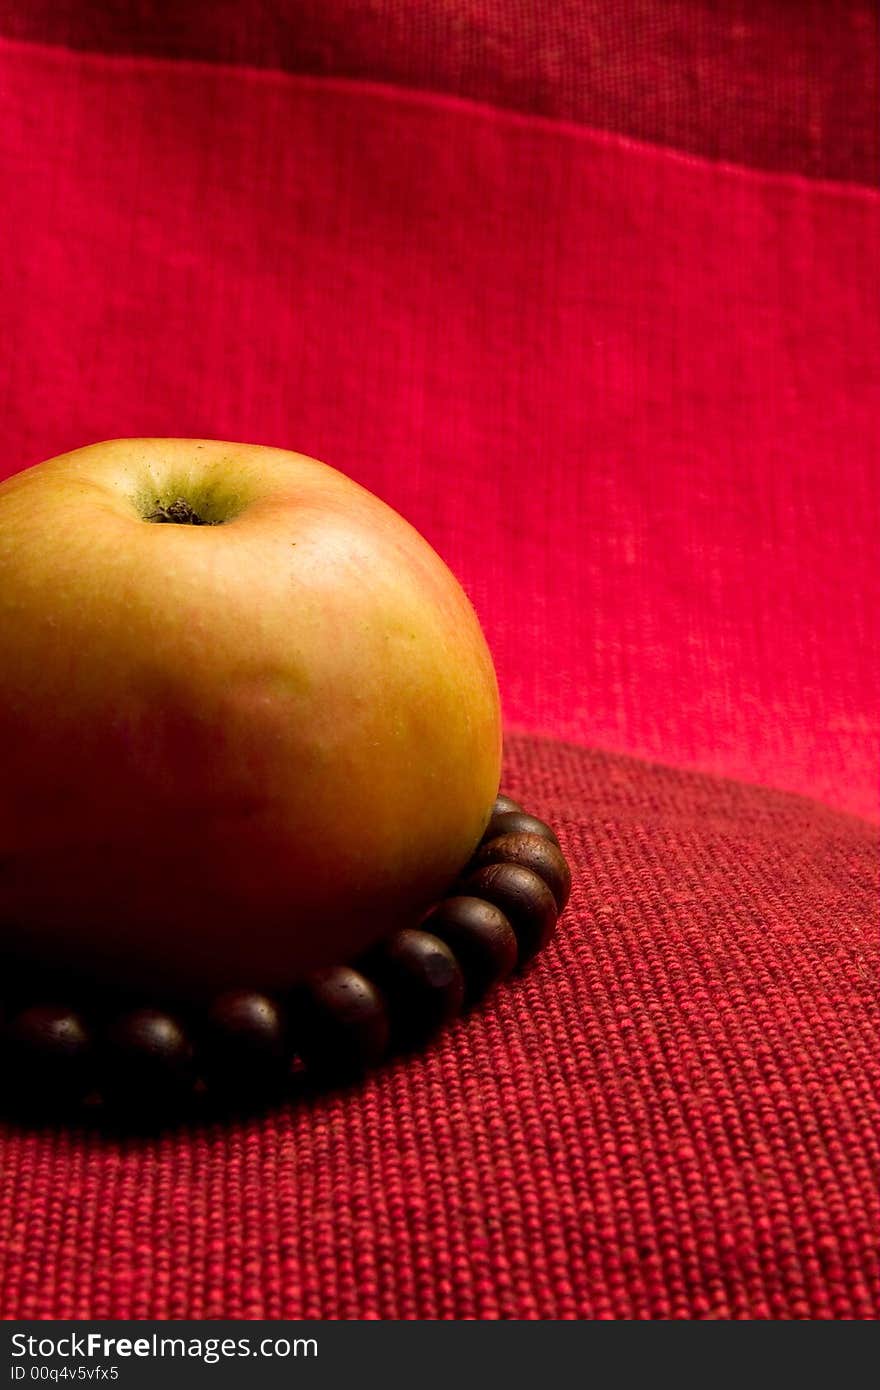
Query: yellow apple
column 248, row 719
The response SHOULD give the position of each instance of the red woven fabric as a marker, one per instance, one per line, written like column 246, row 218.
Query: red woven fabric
column 632, row 398
column 760, row 82
column 670, row 1115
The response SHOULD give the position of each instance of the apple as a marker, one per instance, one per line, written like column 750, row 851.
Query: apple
column 249, row 722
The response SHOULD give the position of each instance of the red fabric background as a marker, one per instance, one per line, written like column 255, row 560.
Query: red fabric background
column 670, row 1116
column 631, row 396
column 771, row 83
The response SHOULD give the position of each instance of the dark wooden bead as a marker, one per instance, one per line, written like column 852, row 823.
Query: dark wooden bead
column 148, row 1059
column 504, row 803
column 422, row 981
column 50, row 1050
column 479, row 936
column 533, row 852
column 523, row 897
column 245, row 1041
column 517, row 823
column 340, row 1022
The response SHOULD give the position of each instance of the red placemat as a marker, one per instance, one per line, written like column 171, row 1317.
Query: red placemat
column 671, row 1115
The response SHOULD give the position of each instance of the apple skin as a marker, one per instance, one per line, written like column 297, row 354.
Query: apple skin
column 230, row 752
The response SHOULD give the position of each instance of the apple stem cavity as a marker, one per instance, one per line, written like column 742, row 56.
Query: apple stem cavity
column 178, row 513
